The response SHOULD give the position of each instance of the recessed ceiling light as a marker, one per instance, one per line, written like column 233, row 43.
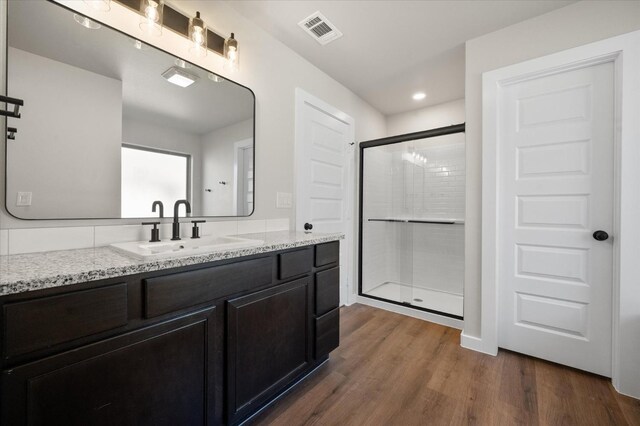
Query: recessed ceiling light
column 418, row 96
column 179, row 77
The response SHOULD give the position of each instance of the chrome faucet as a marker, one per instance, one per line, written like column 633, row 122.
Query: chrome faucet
column 176, row 222
column 158, row 204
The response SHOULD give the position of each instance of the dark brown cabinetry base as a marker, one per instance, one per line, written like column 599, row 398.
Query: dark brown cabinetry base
column 235, row 337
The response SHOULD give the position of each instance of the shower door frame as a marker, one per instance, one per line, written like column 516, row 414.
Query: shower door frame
column 440, row 131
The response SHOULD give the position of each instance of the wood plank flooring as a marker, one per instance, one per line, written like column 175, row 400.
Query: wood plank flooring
column 395, row 370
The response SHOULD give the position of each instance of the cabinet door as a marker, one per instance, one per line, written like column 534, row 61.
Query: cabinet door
column 154, row 376
column 268, row 344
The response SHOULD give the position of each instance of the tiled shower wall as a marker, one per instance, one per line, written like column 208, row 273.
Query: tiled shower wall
column 377, row 260
column 431, row 189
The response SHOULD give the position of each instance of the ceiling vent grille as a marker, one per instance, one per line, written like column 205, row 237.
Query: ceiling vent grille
column 319, row 28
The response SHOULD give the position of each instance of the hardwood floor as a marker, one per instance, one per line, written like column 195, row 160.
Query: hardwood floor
column 395, row 370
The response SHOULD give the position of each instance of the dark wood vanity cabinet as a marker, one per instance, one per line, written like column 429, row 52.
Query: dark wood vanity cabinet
column 157, row 375
column 201, row 345
column 268, row 344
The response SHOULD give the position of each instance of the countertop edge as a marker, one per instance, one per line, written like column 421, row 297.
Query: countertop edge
column 137, row 267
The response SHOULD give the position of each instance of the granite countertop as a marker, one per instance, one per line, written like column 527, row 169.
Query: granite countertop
column 35, row 271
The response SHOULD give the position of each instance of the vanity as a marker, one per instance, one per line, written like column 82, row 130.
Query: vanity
column 199, row 340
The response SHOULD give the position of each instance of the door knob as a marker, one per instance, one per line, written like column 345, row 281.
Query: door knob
column 600, row 235
column 308, row 227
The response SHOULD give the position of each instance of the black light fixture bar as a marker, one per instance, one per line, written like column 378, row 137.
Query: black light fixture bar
column 179, row 23
column 17, row 103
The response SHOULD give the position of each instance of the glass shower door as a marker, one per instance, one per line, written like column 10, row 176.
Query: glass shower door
column 412, row 222
column 387, row 240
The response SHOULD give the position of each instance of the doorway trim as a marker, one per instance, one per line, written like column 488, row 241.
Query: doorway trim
column 303, row 98
column 237, row 178
column 623, row 52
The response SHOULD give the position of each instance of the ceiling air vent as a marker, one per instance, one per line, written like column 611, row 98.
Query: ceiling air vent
column 319, row 28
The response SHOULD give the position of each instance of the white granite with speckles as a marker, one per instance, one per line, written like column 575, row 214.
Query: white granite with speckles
column 35, row 271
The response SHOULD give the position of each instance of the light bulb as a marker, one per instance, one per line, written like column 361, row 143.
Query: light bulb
column 231, row 54
column 151, row 22
column 151, row 12
column 198, row 36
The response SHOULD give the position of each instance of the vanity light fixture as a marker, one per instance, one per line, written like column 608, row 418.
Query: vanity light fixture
column 231, row 54
column 418, row 96
column 101, row 5
column 155, row 15
column 198, row 36
column 179, row 77
column 151, row 19
column 86, row 22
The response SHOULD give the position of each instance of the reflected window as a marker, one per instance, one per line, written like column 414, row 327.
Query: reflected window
column 149, row 175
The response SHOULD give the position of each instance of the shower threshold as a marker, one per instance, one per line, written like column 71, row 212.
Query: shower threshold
column 436, row 301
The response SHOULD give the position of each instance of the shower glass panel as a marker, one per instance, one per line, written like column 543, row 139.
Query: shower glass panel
column 412, row 220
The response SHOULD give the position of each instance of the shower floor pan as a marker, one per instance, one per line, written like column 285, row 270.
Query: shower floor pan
column 421, row 297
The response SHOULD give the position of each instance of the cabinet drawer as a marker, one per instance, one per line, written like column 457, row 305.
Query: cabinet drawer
column 178, row 291
column 327, row 290
column 327, row 333
column 41, row 323
column 295, row 263
column 327, row 253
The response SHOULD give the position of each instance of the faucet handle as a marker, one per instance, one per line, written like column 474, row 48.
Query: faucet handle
column 155, row 232
column 195, row 231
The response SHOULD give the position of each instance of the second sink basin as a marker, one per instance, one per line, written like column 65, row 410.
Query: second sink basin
column 186, row 247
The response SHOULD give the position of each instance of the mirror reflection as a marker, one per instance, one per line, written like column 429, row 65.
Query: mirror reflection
column 109, row 125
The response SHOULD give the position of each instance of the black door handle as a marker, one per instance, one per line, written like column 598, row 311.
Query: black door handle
column 600, row 235
column 308, row 227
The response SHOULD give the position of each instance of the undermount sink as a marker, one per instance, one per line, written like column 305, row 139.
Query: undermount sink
column 186, row 247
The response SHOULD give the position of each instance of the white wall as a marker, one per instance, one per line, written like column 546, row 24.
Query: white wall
column 48, row 156
column 217, row 165
column 270, row 69
column 574, row 25
column 431, row 117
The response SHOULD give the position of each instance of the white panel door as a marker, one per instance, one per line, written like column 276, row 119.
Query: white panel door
column 556, row 189
column 323, row 169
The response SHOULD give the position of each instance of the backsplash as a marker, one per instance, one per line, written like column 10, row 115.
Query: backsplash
column 31, row 240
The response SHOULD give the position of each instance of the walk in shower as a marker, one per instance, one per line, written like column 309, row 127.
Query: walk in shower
column 412, row 192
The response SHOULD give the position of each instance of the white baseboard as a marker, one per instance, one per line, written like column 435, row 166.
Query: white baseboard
column 414, row 313
column 475, row 344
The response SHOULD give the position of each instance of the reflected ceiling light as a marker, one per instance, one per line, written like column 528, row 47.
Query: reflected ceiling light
column 198, row 36
column 139, row 45
column 215, row 77
column 86, row 22
column 179, row 77
column 182, row 63
column 231, row 54
column 151, row 21
column 101, row 5
column 418, row 96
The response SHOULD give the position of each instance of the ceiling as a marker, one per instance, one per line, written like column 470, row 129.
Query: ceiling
column 392, row 49
column 147, row 96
